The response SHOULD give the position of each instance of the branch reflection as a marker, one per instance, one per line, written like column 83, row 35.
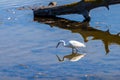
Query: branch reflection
column 71, row 57
column 84, row 29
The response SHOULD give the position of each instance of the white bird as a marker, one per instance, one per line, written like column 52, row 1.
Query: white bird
column 71, row 44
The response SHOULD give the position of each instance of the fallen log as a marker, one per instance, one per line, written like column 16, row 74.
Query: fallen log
column 82, row 7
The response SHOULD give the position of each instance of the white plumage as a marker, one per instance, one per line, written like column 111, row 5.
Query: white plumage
column 71, row 44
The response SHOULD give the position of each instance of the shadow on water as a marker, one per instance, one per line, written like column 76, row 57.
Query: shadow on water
column 84, row 29
column 71, row 57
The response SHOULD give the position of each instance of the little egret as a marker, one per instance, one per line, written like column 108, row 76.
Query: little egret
column 71, row 44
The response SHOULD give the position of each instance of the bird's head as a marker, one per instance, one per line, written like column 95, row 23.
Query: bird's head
column 61, row 41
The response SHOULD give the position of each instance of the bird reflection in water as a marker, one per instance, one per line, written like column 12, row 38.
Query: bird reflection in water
column 71, row 57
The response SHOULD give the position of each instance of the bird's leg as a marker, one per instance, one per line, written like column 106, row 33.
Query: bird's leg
column 73, row 50
column 76, row 50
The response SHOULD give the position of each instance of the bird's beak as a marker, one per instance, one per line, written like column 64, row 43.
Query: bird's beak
column 57, row 44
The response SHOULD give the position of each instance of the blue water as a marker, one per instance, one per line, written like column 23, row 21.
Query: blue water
column 28, row 47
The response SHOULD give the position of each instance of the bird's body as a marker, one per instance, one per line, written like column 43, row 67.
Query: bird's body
column 72, row 44
column 75, row 44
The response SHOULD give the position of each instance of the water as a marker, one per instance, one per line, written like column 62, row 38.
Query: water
column 27, row 44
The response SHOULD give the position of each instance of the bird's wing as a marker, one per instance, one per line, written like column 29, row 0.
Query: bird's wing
column 76, row 43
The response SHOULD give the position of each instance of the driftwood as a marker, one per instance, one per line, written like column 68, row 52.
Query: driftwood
column 84, row 29
column 82, row 7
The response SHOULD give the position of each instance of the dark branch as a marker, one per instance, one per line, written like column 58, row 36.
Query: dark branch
column 83, row 7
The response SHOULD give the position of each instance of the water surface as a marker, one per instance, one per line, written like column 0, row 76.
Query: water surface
column 28, row 44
